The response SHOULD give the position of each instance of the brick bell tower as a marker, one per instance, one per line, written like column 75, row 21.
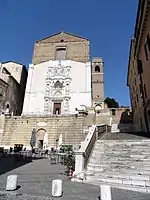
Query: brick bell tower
column 97, row 82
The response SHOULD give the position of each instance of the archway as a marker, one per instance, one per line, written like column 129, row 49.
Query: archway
column 97, row 69
column 40, row 138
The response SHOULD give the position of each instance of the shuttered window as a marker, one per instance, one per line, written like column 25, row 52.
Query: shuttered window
column 61, row 54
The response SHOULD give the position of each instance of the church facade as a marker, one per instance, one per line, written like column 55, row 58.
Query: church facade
column 61, row 77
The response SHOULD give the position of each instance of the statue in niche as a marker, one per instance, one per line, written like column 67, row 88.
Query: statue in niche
column 66, row 104
column 62, row 71
column 68, row 72
column 47, row 86
column 46, row 105
column 49, row 73
column 67, row 87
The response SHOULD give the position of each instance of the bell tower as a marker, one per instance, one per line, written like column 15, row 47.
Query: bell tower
column 97, row 82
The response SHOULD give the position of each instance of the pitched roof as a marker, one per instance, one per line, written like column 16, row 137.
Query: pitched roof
column 62, row 34
column 12, row 62
column 9, row 61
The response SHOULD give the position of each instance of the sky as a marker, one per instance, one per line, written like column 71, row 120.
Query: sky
column 108, row 24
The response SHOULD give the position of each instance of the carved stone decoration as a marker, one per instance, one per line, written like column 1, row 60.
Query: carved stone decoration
column 57, row 94
column 48, row 73
column 66, row 104
column 67, row 87
column 57, row 86
column 60, row 70
column 46, row 105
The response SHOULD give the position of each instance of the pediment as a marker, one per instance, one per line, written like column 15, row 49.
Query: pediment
column 62, row 37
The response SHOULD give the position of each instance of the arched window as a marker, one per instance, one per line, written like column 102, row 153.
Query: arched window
column 58, row 84
column 97, row 68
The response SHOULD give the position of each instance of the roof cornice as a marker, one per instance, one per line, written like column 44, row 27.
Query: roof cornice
column 141, row 23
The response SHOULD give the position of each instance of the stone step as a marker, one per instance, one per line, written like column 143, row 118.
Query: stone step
column 138, row 170
column 120, row 186
column 122, row 155
column 139, row 141
column 123, row 147
column 126, row 165
column 119, row 160
column 119, row 175
column 142, row 181
column 122, row 152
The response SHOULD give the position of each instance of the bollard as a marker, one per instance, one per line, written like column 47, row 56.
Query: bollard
column 57, row 188
column 105, row 192
column 11, row 182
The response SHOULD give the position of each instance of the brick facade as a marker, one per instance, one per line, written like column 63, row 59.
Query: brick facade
column 77, row 48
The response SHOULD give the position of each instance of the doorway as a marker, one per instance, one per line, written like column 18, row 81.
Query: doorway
column 40, row 144
column 57, row 108
column 40, row 138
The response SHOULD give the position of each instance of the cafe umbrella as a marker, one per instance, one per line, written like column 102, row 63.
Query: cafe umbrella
column 33, row 138
column 45, row 142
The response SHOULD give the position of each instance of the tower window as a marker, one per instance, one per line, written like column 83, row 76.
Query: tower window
column 97, row 69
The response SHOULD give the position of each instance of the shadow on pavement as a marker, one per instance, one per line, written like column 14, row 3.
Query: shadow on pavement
column 10, row 162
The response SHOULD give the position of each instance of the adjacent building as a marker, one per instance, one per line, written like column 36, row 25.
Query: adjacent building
column 138, row 79
column 13, row 78
column 61, row 77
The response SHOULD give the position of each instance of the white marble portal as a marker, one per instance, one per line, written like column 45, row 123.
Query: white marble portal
column 57, row 87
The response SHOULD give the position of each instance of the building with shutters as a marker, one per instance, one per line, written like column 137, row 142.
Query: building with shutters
column 139, row 70
column 62, row 78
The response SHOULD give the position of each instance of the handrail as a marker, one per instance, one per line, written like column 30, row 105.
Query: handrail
column 82, row 156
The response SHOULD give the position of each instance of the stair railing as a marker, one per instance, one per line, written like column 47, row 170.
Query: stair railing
column 82, row 156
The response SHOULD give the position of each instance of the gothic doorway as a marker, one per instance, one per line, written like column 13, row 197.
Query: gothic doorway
column 57, row 108
column 40, row 138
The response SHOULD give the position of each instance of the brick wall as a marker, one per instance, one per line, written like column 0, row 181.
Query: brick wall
column 17, row 130
column 77, row 49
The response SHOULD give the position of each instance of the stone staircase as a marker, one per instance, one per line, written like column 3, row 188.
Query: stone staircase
column 123, row 164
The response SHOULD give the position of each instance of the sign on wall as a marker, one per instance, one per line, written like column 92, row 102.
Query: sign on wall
column 41, row 124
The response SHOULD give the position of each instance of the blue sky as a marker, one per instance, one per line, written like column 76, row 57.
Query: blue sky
column 109, row 25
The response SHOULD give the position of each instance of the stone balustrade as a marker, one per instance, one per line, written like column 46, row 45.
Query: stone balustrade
column 82, row 156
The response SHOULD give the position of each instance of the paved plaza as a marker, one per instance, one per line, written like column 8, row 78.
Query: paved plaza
column 35, row 183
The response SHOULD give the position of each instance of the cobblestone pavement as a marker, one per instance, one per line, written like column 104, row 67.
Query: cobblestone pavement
column 35, row 180
column 21, row 197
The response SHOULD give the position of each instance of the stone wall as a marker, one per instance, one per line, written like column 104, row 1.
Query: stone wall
column 17, row 130
column 77, row 49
